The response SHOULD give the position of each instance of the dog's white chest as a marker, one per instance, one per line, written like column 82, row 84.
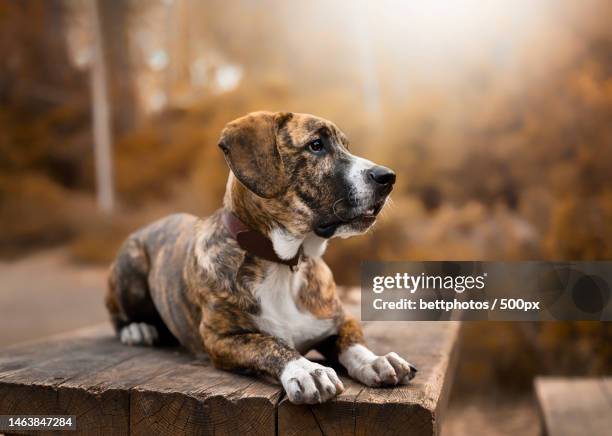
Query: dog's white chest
column 280, row 315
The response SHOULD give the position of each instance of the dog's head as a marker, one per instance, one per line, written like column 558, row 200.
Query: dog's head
column 301, row 165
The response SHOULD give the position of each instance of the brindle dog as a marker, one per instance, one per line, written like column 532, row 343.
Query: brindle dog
column 293, row 180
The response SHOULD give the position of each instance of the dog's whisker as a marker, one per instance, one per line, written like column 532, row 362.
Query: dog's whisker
column 334, row 209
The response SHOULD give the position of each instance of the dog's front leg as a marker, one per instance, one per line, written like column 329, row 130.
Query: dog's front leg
column 303, row 380
column 349, row 348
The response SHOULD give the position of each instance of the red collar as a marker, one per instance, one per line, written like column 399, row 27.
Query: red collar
column 255, row 243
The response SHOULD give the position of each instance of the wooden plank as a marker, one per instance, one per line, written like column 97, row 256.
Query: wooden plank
column 114, row 389
column 101, row 400
column 19, row 356
column 196, row 398
column 35, row 388
column 575, row 406
column 414, row 409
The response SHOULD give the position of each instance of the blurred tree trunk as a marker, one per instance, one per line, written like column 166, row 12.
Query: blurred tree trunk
column 101, row 116
column 114, row 30
column 38, row 81
column 178, row 49
column 35, row 67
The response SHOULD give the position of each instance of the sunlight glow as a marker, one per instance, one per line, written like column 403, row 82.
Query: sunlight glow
column 449, row 32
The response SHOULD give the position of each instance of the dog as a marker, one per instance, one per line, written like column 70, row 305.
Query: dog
column 247, row 285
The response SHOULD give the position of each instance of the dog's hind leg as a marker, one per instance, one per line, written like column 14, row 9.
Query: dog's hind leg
column 128, row 299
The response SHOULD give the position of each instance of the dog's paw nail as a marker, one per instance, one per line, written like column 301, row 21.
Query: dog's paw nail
column 387, row 370
column 315, row 383
column 411, row 374
column 387, row 373
column 408, row 378
column 294, row 391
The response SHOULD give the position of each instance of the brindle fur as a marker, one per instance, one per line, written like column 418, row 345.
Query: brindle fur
column 188, row 276
column 157, row 279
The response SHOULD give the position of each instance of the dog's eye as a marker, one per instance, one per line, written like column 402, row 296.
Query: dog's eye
column 316, row 146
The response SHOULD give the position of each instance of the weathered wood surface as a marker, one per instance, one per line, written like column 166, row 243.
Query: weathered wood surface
column 119, row 390
column 114, row 389
column 575, row 406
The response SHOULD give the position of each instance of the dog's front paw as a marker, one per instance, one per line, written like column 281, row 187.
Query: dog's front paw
column 373, row 370
column 310, row 383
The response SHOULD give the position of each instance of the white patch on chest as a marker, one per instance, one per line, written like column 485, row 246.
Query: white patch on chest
column 281, row 317
column 314, row 246
column 285, row 245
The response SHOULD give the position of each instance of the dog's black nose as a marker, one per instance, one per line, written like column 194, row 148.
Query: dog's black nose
column 382, row 175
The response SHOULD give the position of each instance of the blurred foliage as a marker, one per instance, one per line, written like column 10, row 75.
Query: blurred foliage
column 508, row 354
column 509, row 158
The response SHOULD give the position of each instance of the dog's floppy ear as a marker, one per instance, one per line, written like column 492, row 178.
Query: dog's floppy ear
column 249, row 145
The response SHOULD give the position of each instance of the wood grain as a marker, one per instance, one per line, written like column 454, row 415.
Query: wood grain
column 119, row 390
column 575, row 406
column 34, row 383
column 195, row 398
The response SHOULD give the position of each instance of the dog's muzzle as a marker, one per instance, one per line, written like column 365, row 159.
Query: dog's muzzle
column 361, row 212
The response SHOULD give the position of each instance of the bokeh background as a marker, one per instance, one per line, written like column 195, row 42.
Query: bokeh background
column 496, row 115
